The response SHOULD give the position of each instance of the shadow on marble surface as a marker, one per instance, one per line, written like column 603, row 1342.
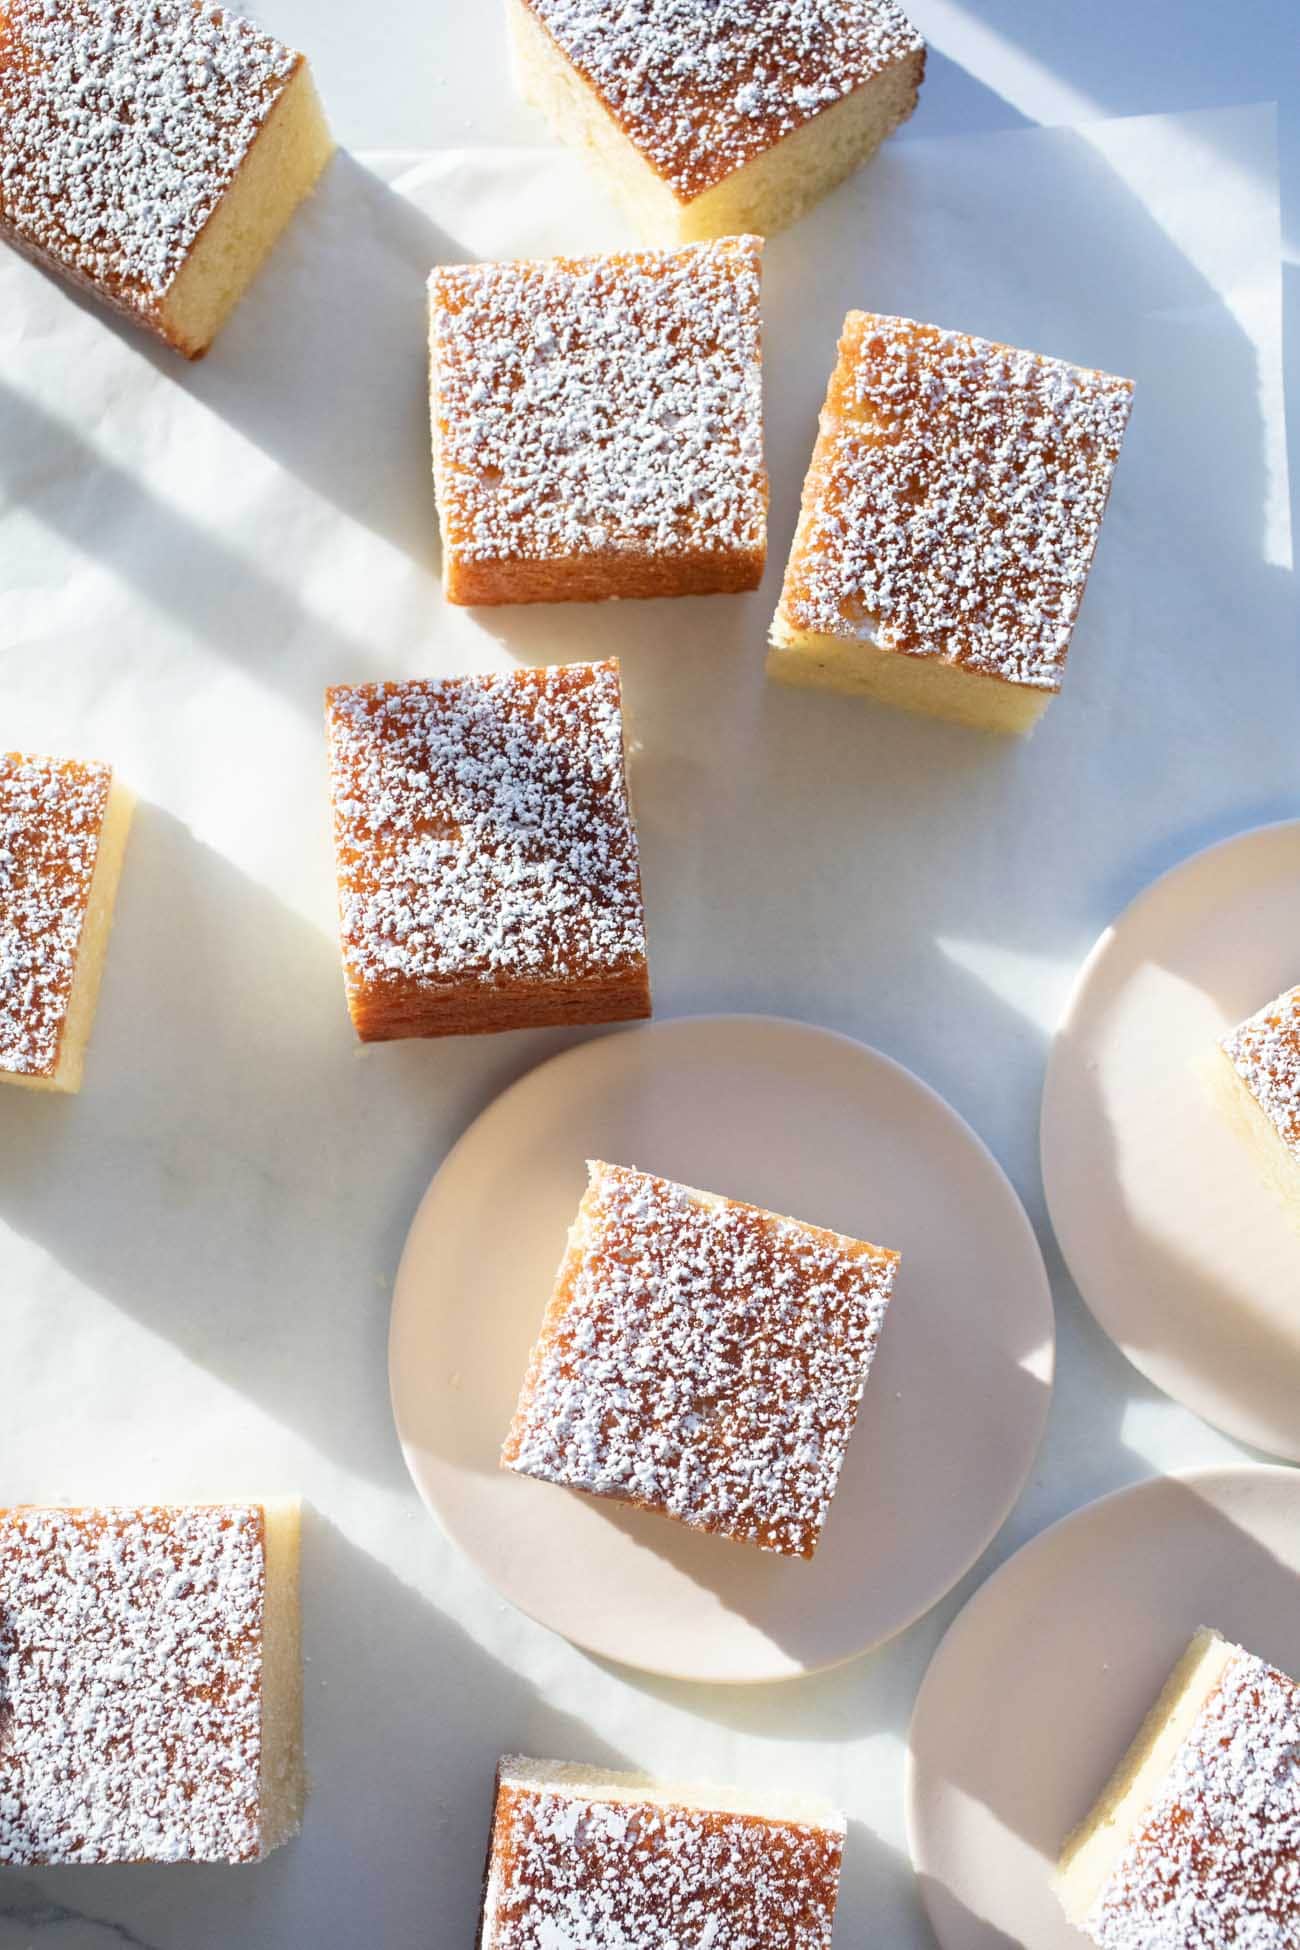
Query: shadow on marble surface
column 224, row 1084
column 341, row 400
column 878, row 1902
column 168, row 559
column 405, row 1718
column 1162, row 72
column 1058, row 1664
column 954, row 99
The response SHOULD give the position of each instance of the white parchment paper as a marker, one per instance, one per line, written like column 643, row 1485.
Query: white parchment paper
column 197, row 1253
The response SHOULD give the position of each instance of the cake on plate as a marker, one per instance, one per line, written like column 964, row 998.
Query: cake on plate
column 487, row 861
column 598, row 425
column 150, row 1683
column 587, row 1856
column 151, row 151
column 1195, row 1842
column 949, row 520
column 63, row 827
column 1257, row 1082
column 703, row 1359
column 707, row 117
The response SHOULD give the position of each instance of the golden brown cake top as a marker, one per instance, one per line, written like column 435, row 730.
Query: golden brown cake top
column 701, row 87
column 586, row 1870
column 122, row 125
column 704, row 1357
column 954, row 499
column 589, row 405
column 51, row 816
column 1265, row 1053
column 482, row 828
column 1217, row 1862
column 130, row 1683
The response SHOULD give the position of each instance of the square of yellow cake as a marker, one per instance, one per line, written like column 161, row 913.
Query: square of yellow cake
column 150, row 1683
column 63, row 827
column 702, row 1358
column 487, row 860
column 1257, row 1082
column 152, row 151
column 707, row 117
column 949, row 519
column 598, row 425
column 592, row 1858
column 1195, row 1842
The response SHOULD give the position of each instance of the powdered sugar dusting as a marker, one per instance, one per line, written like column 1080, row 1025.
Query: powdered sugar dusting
column 1265, row 1053
column 588, row 405
column 1218, row 1861
column 955, row 499
column 51, row 816
column 130, row 1682
column 482, row 828
column 703, row 1358
column 703, row 86
column 122, row 125
column 577, row 1872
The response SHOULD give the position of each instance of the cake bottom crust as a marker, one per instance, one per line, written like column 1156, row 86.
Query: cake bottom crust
column 610, row 577
column 927, row 686
column 384, row 1013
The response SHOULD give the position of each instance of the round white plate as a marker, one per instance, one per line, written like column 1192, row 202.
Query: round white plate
column 1185, row 1257
column 1042, row 1682
column 801, row 1121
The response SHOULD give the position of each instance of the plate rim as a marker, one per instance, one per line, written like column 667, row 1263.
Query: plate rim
column 1052, row 1071
column 763, row 1019
column 1200, row 1473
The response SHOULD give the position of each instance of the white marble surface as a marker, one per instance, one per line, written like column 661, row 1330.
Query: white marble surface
column 197, row 1254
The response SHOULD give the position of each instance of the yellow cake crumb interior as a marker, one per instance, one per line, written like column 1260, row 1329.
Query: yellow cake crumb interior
column 283, row 1785
column 1242, row 1110
column 91, row 950
column 289, row 154
column 625, row 1785
column 1092, row 1850
column 925, row 685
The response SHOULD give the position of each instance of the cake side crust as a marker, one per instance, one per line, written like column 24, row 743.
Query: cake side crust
column 282, row 1780
column 281, row 168
column 619, row 1784
column 924, row 685
column 1091, row 1850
